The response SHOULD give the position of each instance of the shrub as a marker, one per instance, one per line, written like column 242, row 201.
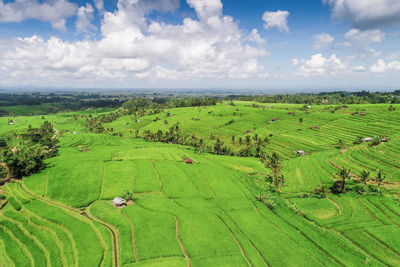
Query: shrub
column 295, row 208
column 267, row 200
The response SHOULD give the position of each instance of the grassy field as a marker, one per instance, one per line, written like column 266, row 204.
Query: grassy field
column 207, row 214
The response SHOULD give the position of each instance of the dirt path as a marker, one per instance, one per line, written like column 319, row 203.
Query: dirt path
column 339, row 210
column 188, row 260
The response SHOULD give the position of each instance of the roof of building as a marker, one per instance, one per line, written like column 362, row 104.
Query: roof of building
column 119, row 201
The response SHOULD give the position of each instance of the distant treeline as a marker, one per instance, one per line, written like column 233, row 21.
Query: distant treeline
column 59, row 102
column 137, row 104
column 333, row 98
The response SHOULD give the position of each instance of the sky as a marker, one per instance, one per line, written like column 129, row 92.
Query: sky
column 220, row 44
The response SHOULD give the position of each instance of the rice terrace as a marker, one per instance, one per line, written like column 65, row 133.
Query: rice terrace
column 199, row 133
column 202, row 182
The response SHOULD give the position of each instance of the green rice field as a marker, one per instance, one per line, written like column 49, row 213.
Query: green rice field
column 207, row 213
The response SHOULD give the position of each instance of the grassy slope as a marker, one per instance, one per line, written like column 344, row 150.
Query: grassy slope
column 204, row 214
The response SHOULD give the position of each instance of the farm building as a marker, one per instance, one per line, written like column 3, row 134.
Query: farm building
column 300, row 152
column 119, row 202
column 188, row 161
column 368, row 139
column 314, row 128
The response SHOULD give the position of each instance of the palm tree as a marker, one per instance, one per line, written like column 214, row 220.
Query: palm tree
column 344, row 175
column 379, row 179
column 364, row 175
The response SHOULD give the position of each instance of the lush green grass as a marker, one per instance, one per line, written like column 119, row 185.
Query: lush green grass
column 206, row 214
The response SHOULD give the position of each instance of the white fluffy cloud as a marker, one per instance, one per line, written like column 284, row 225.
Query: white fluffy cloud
column 84, row 18
column 277, row 20
column 362, row 40
column 54, row 11
column 322, row 40
column 366, row 14
column 255, row 37
column 133, row 47
column 382, row 66
column 320, row 65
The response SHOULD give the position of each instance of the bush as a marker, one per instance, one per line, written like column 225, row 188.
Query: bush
column 295, row 208
column 268, row 201
column 337, row 187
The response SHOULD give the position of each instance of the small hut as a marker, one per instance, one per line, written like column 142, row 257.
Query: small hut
column 85, row 150
column 362, row 114
column 315, row 128
column 368, row 139
column 273, row 119
column 270, row 135
column 196, row 119
column 74, row 132
column 10, row 123
column 188, row 161
column 385, row 139
column 248, row 131
column 291, row 113
column 300, row 152
column 344, row 106
column 119, row 202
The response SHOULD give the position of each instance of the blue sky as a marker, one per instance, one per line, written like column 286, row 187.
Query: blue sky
column 255, row 44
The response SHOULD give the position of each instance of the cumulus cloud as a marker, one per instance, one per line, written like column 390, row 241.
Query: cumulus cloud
column 382, row 66
column 99, row 4
column 320, row 65
column 255, row 37
column 277, row 20
column 362, row 40
column 322, row 40
column 54, row 11
column 366, row 14
column 84, row 18
column 134, row 47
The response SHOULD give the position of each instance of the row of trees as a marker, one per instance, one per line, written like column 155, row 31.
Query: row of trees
column 335, row 98
column 345, row 174
column 249, row 146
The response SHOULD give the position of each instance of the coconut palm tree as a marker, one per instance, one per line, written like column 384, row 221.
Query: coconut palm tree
column 364, row 175
column 344, row 175
column 379, row 179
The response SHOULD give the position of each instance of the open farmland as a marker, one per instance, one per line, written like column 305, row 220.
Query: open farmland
column 207, row 213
